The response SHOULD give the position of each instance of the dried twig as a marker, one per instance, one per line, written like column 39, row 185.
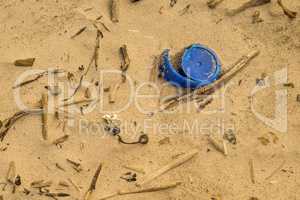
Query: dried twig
column 168, row 167
column 115, row 10
column 8, row 123
column 61, row 140
column 213, row 3
column 92, row 187
column 75, row 165
column 93, row 59
column 74, row 185
column 45, row 116
column 245, row 6
column 112, row 93
column 276, row 170
column 185, row 10
column 125, row 61
column 38, row 76
column 41, row 184
column 252, row 175
column 79, row 32
column 146, row 190
column 287, row 12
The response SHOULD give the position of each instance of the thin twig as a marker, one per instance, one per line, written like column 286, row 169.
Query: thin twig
column 45, row 116
column 92, row 187
column 276, row 170
column 252, row 175
column 168, row 167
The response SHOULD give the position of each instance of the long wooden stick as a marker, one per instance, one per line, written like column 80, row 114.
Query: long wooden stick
column 168, row 167
column 209, row 89
column 146, row 190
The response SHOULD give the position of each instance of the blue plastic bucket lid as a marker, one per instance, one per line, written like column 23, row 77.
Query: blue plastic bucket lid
column 201, row 64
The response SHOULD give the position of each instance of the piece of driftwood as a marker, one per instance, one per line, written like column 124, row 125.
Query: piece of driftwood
column 138, row 191
column 115, row 11
column 213, row 3
column 151, row 176
column 204, row 92
column 245, row 6
column 287, row 12
column 28, row 62
column 45, row 116
column 93, row 184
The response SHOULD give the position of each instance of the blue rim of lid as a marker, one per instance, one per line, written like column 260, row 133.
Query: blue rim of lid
column 201, row 64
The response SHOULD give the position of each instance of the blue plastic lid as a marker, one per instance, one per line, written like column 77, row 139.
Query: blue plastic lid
column 201, row 64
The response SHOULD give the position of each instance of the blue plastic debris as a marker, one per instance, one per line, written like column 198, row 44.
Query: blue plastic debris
column 200, row 66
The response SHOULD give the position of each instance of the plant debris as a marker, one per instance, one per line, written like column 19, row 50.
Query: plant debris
column 115, row 10
column 138, row 191
column 93, row 184
column 179, row 161
column 276, row 170
column 256, row 17
column 245, row 6
column 8, row 123
column 129, row 177
column 45, row 116
column 185, row 10
column 38, row 76
column 298, row 98
column 172, row 3
column 79, row 32
column 125, row 61
column 61, row 140
column 75, row 165
column 264, row 141
column 252, row 175
column 230, row 136
column 213, row 3
column 25, row 62
column 287, row 12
